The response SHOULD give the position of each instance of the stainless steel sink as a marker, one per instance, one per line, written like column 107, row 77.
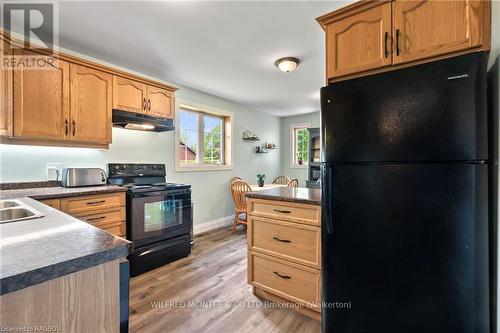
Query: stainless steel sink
column 8, row 204
column 13, row 211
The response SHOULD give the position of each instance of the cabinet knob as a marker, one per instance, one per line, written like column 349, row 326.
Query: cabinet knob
column 149, row 104
column 73, row 123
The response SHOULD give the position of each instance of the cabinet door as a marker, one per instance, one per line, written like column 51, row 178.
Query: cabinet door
column 91, row 105
column 359, row 42
column 41, row 100
column 5, row 96
column 129, row 95
column 429, row 28
column 160, row 102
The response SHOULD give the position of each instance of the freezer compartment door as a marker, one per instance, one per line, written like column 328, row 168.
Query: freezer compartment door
column 435, row 111
column 406, row 248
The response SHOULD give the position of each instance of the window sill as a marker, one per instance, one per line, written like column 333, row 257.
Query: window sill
column 203, row 168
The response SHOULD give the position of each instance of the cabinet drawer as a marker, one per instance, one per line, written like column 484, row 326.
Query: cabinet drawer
column 54, row 203
column 291, row 241
column 294, row 212
column 112, row 221
column 105, row 218
column 115, row 229
column 291, row 281
column 92, row 203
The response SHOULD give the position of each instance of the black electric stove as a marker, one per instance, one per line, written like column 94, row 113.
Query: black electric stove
column 159, row 215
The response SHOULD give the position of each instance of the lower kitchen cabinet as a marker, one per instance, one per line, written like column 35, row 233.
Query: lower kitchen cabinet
column 284, row 253
column 105, row 211
column 84, row 301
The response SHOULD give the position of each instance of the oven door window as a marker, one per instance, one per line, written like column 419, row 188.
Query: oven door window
column 156, row 215
column 162, row 215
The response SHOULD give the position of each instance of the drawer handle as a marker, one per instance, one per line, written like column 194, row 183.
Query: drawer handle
column 96, row 202
column 284, row 277
column 96, row 218
column 282, row 240
column 283, row 211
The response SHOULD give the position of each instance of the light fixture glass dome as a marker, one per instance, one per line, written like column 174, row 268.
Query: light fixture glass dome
column 287, row 64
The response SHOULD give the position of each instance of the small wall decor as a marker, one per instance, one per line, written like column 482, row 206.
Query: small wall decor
column 261, row 150
column 270, row 146
column 249, row 136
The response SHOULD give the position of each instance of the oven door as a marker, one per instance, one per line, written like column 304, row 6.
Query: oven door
column 155, row 216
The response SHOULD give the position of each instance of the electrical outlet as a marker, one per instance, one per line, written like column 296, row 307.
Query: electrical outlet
column 54, row 171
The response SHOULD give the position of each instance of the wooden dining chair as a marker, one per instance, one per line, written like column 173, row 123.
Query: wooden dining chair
column 238, row 189
column 293, row 183
column 235, row 178
column 281, row 180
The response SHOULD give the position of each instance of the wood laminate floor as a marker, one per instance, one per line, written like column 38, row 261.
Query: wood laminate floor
column 208, row 292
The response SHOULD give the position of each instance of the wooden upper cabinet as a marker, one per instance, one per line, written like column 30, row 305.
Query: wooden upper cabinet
column 129, row 95
column 91, row 105
column 359, row 42
column 371, row 36
column 41, row 101
column 160, row 102
column 429, row 28
column 5, row 96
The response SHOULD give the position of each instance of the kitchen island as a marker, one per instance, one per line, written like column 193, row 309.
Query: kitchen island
column 59, row 272
column 284, row 247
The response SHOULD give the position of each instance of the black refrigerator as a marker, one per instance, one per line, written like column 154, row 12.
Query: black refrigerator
column 405, row 200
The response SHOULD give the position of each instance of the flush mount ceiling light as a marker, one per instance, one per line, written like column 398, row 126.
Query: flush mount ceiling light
column 287, row 64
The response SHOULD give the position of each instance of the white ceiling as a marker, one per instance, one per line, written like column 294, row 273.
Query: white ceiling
column 224, row 48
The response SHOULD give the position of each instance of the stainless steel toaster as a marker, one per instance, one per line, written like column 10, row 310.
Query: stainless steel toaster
column 73, row 177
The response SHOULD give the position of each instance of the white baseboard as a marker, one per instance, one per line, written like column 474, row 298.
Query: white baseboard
column 214, row 224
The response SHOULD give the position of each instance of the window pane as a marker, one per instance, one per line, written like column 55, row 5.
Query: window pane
column 213, row 139
column 188, row 145
column 301, row 144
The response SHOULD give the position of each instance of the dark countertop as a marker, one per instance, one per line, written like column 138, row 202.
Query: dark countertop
column 310, row 196
column 52, row 192
column 38, row 250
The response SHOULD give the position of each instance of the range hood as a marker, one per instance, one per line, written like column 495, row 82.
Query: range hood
column 141, row 122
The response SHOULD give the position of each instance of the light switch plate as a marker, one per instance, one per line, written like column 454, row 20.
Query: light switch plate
column 54, row 171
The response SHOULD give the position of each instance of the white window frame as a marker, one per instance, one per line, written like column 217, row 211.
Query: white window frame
column 292, row 146
column 228, row 134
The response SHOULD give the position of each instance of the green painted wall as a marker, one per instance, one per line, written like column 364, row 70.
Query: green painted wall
column 210, row 188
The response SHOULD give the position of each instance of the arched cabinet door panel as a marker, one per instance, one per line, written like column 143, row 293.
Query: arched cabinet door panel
column 91, row 105
column 359, row 42
column 41, row 100
column 129, row 95
column 429, row 28
column 160, row 102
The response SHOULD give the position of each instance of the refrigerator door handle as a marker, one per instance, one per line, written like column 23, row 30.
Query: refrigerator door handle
column 327, row 190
